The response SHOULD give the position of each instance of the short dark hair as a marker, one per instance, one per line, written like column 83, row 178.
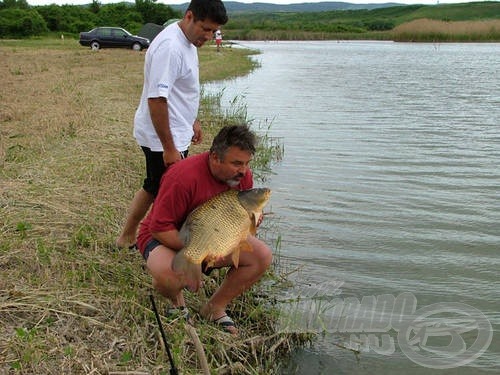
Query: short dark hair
column 213, row 10
column 233, row 136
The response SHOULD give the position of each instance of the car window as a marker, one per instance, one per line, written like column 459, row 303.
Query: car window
column 104, row 32
column 118, row 33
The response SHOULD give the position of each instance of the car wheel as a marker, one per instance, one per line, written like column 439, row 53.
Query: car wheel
column 95, row 45
column 136, row 46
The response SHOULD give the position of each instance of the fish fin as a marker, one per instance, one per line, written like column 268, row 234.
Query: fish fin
column 235, row 257
column 254, row 218
column 209, row 261
column 245, row 246
column 242, row 246
column 189, row 272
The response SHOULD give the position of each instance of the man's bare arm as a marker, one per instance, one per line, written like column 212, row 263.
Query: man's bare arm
column 158, row 108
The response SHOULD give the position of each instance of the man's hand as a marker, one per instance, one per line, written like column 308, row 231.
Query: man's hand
column 170, row 157
column 198, row 136
column 158, row 109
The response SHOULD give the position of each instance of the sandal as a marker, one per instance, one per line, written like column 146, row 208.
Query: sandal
column 227, row 324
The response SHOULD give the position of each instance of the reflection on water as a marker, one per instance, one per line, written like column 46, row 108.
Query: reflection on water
column 390, row 179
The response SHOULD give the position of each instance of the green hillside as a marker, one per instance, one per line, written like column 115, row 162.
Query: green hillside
column 484, row 10
column 348, row 24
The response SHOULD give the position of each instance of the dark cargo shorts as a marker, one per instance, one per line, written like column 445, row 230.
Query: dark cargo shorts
column 155, row 169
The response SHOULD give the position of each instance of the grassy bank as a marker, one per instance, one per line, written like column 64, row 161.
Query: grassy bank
column 70, row 303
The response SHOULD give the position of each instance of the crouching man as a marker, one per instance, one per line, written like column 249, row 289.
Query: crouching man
column 186, row 185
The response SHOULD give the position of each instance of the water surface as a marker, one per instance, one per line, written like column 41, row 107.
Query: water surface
column 390, row 181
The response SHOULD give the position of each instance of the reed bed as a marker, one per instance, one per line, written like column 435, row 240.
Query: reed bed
column 69, row 301
column 427, row 30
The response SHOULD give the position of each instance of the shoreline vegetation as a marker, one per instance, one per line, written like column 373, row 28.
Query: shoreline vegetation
column 70, row 302
column 421, row 30
column 428, row 30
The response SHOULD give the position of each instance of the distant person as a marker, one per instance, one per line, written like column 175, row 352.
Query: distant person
column 218, row 39
column 165, row 122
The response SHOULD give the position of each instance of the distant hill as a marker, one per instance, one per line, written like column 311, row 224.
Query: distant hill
column 233, row 7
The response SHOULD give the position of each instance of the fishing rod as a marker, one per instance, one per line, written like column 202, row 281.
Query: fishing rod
column 173, row 369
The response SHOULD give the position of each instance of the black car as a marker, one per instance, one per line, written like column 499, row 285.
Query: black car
column 112, row 37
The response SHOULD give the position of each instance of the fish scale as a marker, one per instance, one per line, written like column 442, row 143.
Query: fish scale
column 217, row 228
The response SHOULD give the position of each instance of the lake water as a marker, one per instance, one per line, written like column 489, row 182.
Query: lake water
column 389, row 186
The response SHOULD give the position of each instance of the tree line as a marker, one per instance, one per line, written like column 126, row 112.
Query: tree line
column 20, row 20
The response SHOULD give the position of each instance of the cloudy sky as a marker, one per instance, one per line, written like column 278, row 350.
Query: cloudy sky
column 75, row 2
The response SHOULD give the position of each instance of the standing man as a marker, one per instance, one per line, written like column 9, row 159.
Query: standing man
column 165, row 122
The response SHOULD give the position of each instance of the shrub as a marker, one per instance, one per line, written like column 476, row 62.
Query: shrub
column 379, row 25
column 21, row 23
column 67, row 18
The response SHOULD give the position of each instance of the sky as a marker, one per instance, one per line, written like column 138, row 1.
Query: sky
column 168, row 2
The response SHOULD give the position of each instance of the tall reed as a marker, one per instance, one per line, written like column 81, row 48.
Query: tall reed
column 427, row 30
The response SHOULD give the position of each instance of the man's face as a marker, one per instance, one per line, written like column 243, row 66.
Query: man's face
column 233, row 167
column 198, row 32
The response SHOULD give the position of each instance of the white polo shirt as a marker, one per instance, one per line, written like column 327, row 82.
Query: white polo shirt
column 171, row 71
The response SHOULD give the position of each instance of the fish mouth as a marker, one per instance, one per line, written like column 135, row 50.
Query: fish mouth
column 254, row 199
column 267, row 194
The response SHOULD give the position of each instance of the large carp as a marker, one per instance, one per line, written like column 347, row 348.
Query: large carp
column 217, row 228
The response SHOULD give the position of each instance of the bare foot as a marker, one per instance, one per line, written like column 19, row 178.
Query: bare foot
column 124, row 243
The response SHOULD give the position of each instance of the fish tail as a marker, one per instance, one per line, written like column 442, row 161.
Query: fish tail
column 189, row 272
